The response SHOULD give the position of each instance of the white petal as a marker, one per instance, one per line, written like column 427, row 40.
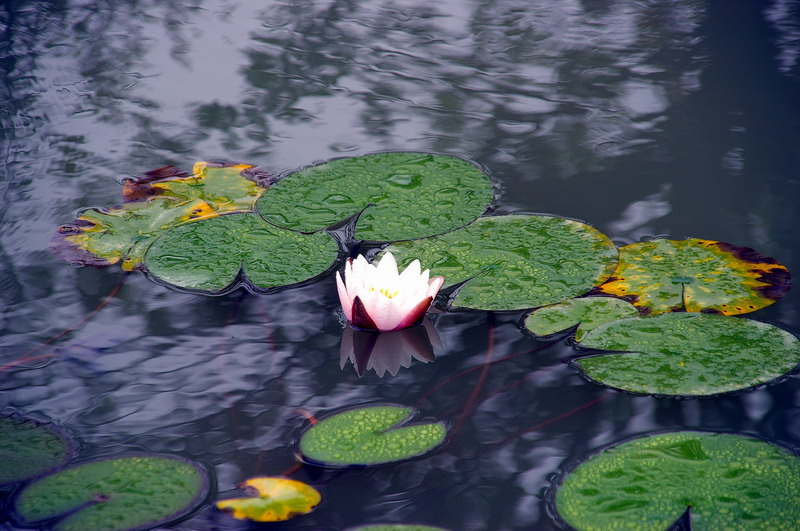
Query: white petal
column 387, row 267
column 411, row 273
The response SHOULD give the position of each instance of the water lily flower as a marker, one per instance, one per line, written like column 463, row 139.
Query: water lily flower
column 380, row 298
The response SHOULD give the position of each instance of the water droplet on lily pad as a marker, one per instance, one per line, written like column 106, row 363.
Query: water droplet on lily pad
column 696, row 275
column 369, row 436
column 114, row 494
column 727, row 481
column 686, row 354
column 209, row 254
column 30, row 448
column 485, row 255
column 397, row 195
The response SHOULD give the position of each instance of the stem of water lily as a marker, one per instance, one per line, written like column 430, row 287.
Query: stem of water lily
column 545, row 423
column 481, row 380
column 438, row 386
column 28, row 356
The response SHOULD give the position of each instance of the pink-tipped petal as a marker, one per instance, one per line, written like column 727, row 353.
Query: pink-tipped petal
column 344, row 298
column 434, row 285
column 361, row 318
column 415, row 316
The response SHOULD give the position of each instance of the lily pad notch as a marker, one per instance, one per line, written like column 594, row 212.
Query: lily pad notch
column 395, row 195
column 687, row 354
column 369, row 436
column 695, row 275
column 725, row 481
column 114, row 494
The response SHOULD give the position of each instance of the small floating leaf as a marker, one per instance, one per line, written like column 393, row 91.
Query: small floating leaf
column 588, row 313
column 400, row 196
column 29, row 448
column 697, row 276
column 209, row 254
column 154, row 202
column 369, row 436
column 688, row 354
column 515, row 262
column 273, row 500
column 115, row 494
column 726, row 482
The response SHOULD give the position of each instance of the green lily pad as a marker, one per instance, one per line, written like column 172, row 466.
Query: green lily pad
column 210, row 254
column 272, row 500
column 114, row 494
column 726, row 482
column 29, row 448
column 588, row 313
column 155, row 202
column 688, row 354
column 399, row 196
column 696, row 276
column 369, row 436
column 515, row 262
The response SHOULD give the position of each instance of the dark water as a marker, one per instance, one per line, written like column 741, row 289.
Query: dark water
column 670, row 117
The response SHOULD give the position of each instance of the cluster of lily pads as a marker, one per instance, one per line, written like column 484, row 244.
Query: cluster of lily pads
column 656, row 317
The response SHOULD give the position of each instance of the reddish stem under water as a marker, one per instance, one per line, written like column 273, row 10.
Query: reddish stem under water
column 28, row 356
column 481, row 379
column 547, row 422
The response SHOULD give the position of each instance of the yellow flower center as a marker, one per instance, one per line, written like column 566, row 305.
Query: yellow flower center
column 386, row 292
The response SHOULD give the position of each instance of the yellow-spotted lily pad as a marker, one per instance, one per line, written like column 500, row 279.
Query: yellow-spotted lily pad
column 587, row 313
column 155, row 202
column 648, row 484
column 369, row 436
column 272, row 500
column 688, row 354
column 515, row 262
column 696, row 276
column 397, row 196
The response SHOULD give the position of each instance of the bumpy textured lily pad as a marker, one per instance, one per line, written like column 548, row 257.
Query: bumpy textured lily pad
column 114, row 494
column 210, row 254
column 154, row 202
column 29, row 448
column 688, row 354
column 272, row 500
column 400, row 196
column 697, row 276
column 587, row 313
column 369, row 436
column 515, row 262
column 726, row 482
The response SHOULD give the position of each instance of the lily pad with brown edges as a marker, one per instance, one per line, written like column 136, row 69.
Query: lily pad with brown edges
column 272, row 500
column 696, row 275
column 154, row 202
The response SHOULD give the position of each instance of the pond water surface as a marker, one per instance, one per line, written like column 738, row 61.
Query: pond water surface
column 675, row 117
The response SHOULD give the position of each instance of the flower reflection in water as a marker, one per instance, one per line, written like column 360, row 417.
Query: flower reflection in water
column 388, row 351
